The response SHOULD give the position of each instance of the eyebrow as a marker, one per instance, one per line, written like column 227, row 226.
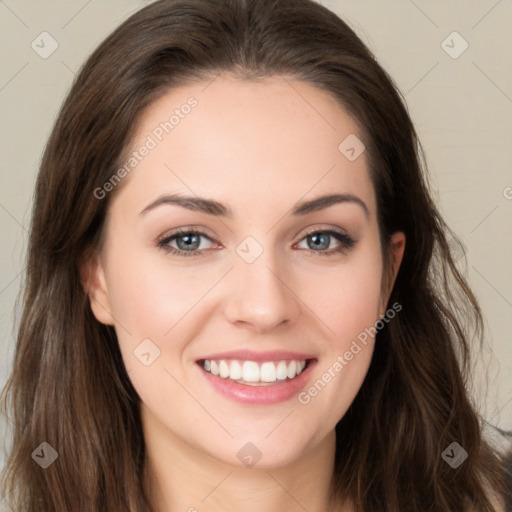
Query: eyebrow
column 212, row 207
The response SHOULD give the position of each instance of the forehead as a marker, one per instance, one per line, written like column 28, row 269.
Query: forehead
column 275, row 139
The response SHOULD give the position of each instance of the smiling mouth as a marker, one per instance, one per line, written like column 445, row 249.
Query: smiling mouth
column 252, row 373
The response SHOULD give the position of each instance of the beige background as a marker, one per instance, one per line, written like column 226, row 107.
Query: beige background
column 462, row 108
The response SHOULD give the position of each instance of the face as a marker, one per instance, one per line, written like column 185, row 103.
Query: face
column 241, row 311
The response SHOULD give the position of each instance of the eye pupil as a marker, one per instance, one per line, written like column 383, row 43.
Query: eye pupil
column 192, row 241
column 318, row 243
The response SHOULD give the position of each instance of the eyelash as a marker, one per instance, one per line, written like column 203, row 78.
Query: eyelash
column 346, row 242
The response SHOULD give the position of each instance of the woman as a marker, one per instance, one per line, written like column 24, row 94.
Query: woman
column 239, row 293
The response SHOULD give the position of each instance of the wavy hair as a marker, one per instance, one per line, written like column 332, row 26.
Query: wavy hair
column 68, row 384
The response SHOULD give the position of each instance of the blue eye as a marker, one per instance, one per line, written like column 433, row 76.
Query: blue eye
column 321, row 240
column 188, row 242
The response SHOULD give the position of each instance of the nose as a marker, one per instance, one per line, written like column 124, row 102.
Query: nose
column 261, row 296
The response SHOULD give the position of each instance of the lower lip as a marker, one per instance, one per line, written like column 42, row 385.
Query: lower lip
column 276, row 393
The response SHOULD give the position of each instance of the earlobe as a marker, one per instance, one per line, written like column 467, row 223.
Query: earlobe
column 92, row 276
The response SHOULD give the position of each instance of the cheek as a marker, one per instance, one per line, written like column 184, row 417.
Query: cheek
column 349, row 307
column 152, row 299
column 148, row 293
column 346, row 298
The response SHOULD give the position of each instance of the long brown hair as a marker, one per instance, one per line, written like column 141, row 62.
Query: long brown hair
column 69, row 386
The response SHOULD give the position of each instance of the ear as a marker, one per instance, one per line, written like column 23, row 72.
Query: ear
column 396, row 254
column 92, row 276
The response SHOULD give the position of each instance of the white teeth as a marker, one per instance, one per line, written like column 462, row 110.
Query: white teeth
column 252, row 372
column 214, row 368
column 268, row 372
column 282, row 371
column 292, row 369
column 223, row 369
column 235, row 372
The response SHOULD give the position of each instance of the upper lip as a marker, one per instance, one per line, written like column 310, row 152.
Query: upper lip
column 251, row 355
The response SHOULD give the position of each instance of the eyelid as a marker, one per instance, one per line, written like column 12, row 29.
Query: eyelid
column 200, row 231
column 323, row 229
column 345, row 240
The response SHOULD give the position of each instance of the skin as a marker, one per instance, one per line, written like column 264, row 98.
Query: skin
column 259, row 147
